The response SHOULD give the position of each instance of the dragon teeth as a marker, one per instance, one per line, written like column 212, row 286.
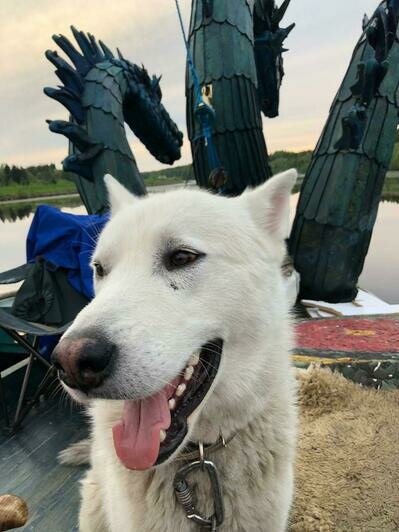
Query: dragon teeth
column 162, row 435
column 180, row 390
column 172, row 404
column 188, row 373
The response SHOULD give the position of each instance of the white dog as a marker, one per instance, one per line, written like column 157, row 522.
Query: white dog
column 188, row 337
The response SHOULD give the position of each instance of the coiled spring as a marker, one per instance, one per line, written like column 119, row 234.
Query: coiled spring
column 184, row 495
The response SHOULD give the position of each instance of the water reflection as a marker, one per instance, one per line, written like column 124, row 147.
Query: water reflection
column 391, row 198
column 18, row 212
column 10, row 212
column 380, row 274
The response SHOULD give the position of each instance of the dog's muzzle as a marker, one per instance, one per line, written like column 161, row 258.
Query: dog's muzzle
column 84, row 363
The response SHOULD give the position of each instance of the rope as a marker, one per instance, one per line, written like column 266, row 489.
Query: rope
column 194, row 75
column 203, row 112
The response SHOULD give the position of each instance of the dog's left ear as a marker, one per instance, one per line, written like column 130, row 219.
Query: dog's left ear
column 118, row 195
column 270, row 203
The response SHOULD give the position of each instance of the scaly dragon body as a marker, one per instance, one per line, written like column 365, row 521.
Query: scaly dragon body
column 237, row 49
column 342, row 189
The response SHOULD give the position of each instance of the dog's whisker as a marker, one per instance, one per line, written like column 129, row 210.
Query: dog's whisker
column 207, row 365
column 82, row 243
column 57, row 389
column 205, row 368
column 94, row 240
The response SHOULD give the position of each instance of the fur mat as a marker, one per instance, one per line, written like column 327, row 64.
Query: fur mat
column 347, row 472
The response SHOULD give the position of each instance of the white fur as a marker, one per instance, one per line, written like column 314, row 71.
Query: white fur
column 158, row 318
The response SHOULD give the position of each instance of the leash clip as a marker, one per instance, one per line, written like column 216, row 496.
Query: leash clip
column 185, row 497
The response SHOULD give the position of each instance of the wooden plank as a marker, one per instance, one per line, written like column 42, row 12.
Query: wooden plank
column 29, row 467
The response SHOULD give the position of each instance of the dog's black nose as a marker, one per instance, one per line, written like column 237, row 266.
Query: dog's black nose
column 83, row 363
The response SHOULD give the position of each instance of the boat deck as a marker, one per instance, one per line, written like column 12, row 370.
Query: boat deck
column 365, row 349
column 29, row 468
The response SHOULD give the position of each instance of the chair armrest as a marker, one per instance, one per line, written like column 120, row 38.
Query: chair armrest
column 10, row 322
column 15, row 275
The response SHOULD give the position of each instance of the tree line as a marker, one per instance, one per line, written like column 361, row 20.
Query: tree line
column 48, row 173
column 45, row 173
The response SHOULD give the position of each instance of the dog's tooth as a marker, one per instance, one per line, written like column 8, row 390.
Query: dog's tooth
column 162, row 435
column 172, row 404
column 194, row 359
column 181, row 389
column 188, row 373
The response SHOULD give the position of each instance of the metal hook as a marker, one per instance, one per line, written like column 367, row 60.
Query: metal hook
column 184, row 494
column 223, row 441
column 201, row 454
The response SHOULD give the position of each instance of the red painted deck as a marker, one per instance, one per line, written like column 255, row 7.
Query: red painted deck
column 352, row 336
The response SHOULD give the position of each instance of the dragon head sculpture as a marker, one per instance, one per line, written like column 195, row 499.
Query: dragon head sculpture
column 99, row 81
column 103, row 92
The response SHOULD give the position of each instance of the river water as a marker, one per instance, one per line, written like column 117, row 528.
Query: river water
column 380, row 275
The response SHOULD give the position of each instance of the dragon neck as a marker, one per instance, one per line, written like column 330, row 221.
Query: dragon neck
column 102, row 104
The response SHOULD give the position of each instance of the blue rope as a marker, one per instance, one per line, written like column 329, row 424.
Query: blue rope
column 203, row 111
column 190, row 61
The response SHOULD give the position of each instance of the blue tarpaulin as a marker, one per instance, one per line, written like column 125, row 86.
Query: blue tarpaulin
column 67, row 241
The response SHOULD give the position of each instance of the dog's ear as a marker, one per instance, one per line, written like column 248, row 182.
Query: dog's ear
column 270, row 203
column 118, row 195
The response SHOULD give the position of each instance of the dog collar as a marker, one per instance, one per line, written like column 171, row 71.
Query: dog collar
column 195, row 456
column 197, row 450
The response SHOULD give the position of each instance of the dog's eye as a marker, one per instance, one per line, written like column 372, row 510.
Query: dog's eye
column 99, row 269
column 180, row 258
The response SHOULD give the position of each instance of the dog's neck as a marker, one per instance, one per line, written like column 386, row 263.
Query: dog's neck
column 228, row 414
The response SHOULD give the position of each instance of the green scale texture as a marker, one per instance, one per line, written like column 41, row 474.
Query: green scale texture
column 341, row 191
column 222, row 47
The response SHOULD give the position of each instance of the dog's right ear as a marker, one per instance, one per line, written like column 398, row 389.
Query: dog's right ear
column 269, row 204
column 118, row 195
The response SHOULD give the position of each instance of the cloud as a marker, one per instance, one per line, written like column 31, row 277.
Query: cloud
column 148, row 32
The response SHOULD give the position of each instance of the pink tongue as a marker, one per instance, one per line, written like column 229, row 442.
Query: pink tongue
column 136, row 436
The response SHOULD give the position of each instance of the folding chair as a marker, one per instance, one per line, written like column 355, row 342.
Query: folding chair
column 61, row 244
column 27, row 335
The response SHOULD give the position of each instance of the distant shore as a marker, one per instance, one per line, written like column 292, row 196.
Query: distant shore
column 66, row 189
column 55, row 196
column 391, row 190
column 45, row 182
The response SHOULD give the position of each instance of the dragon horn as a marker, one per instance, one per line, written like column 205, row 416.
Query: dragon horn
column 279, row 13
column 82, row 163
column 69, row 77
column 365, row 21
column 83, row 43
column 94, row 45
column 76, row 134
column 107, row 52
column 81, row 63
column 284, row 32
column 68, row 99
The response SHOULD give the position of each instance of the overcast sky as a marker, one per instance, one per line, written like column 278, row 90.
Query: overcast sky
column 147, row 31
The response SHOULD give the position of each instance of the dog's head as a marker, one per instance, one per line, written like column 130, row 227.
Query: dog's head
column 186, row 283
